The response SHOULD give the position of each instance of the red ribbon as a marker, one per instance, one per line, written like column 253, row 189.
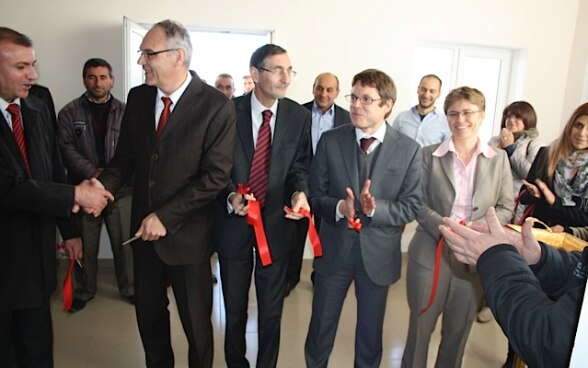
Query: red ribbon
column 68, row 287
column 254, row 219
column 355, row 224
column 438, row 255
column 312, row 233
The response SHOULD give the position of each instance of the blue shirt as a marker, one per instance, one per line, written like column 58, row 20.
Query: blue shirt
column 321, row 123
column 431, row 130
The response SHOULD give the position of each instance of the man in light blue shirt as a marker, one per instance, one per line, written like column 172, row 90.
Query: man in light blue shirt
column 424, row 123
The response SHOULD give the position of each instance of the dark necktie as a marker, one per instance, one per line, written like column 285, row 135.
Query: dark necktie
column 366, row 143
column 18, row 132
column 260, row 164
column 167, row 102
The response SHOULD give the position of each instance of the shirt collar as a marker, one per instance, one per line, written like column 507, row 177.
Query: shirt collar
column 448, row 146
column 4, row 104
column 175, row 95
column 378, row 134
column 257, row 108
column 317, row 110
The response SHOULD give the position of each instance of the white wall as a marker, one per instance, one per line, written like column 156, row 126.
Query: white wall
column 340, row 36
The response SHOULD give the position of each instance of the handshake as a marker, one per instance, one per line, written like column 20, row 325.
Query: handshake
column 91, row 196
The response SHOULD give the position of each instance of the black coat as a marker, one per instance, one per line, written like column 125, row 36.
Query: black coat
column 30, row 208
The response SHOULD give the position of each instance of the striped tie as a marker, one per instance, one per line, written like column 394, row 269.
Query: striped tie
column 165, row 113
column 261, row 157
column 18, row 132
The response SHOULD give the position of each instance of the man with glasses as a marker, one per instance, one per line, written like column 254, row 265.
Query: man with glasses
column 271, row 158
column 326, row 115
column 424, row 122
column 177, row 138
column 88, row 129
column 364, row 184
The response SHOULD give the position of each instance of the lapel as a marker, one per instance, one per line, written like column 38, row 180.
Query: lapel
column 9, row 148
column 283, row 131
column 244, row 123
column 482, row 168
column 339, row 116
column 388, row 149
column 184, row 103
column 447, row 167
column 348, row 148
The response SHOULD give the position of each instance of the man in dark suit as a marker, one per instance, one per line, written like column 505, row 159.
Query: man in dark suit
column 362, row 174
column 326, row 115
column 33, row 200
column 285, row 126
column 181, row 155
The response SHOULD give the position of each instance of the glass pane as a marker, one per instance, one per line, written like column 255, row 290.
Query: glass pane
column 431, row 60
column 483, row 73
column 216, row 53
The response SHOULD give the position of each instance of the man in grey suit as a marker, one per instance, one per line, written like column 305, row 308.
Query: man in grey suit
column 177, row 138
column 287, row 149
column 326, row 115
column 364, row 183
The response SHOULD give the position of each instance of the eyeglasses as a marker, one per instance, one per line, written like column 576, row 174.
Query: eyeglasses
column 150, row 54
column 364, row 100
column 278, row 71
column 467, row 114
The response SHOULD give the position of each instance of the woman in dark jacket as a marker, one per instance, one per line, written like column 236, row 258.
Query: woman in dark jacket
column 558, row 179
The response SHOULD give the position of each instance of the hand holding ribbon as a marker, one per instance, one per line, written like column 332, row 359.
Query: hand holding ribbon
column 254, row 219
column 312, row 233
column 347, row 209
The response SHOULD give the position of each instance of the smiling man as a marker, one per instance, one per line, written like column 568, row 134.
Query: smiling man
column 272, row 150
column 424, row 123
column 363, row 174
column 177, row 139
column 326, row 115
column 34, row 198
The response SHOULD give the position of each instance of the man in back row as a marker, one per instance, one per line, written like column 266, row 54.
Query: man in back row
column 225, row 83
column 424, row 123
column 88, row 129
column 326, row 115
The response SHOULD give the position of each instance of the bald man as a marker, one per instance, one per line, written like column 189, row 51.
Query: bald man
column 326, row 115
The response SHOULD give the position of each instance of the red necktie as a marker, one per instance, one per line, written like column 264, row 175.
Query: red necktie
column 18, row 132
column 261, row 157
column 167, row 102
column 366, row 143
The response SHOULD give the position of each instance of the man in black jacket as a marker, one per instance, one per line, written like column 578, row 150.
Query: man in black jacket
column 534, row 290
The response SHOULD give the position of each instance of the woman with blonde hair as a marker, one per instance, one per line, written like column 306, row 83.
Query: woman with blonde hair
column 557, row 183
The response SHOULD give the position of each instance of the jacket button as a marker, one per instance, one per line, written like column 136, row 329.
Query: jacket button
column 151, row 184
column 155, row 156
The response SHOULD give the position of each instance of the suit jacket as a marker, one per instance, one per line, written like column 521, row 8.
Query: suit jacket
column 396, row 186
column 288, row 173
column 492, row 187
column 179, row 175
column 29, row 207
column 341, row 115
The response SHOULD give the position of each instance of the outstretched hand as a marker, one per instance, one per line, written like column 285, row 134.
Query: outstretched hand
column 469, row 242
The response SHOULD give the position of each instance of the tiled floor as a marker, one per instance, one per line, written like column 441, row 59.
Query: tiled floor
column 105, row 334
